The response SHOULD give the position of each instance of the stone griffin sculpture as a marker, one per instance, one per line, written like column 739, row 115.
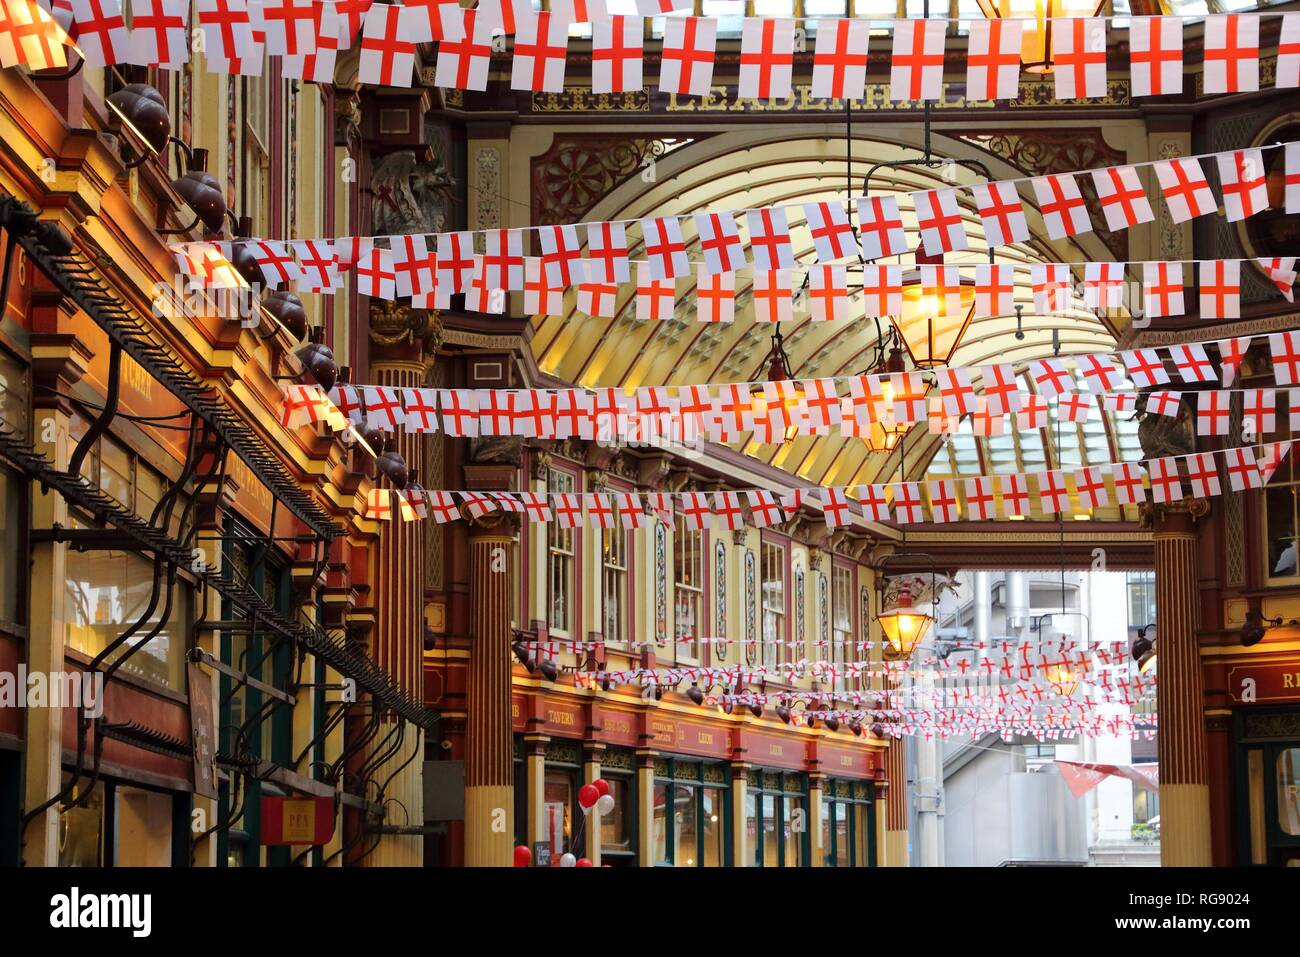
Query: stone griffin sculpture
column 410, row 196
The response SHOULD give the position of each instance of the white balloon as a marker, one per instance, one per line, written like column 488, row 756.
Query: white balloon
column 605, row 804
column 568, row 860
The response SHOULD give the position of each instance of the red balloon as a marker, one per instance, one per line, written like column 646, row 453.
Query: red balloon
column 583, row 862
column 601, row 785
column 523, row 856
column 588, row 796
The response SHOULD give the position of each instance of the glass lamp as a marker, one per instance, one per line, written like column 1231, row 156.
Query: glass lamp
column 1035, row 38
column 903, row 626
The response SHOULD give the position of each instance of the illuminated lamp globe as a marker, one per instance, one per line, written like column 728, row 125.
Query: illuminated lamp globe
column 929, row 331
column 903, row 626
column 1035, row 40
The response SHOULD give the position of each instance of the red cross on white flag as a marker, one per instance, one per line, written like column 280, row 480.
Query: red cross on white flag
column 503, row 258
column 1074, row 407
column 616, row 54
column 506, row 16
column 823, row 405
column 1164, row 403
column 665, row 249
column 376, row 276
column 981, row 493
column 1053, row 493
column 875, row 507
column 209, row 265
column 1062, row 205
column 1243, row 182
column 421, row 406
column 727, row 511
column 573, row 414
column 318, row 55
column 1191, row 362
column 835, row 507
column 916, row 60
column 303, row 405
column 1232, row 53
column 882, row 290
column 1220, row 289
column 383, row 407
column 1032, row 413
column 1001, row 212
column 764, row 510
column 289, row 26
column 993, row 59
column 1281, row 272
column 414, row 264
column 562, row 256
column 1242, row 468
column 1162, row 289
column 1001, row 389
column 880, row 226
column 1186, row 190
column 955, row 390
column 1213, row 412
column 581, row 11
column 318, row 268
column 607, row 252
column 686, row 67
column 541, row 47
column 695, row 510
column 459, row 412
column 379, row 504
column 274, row 261
column 1122, row 198
column 351, row 13
column 995, row 290
column 907, row 503
column 1144, row 367
column 1099, row 373
column 1203, row 474
column 1015, row 494
column 463, row 61
column 1128, row 480
column 345, row 400
column 840, row 59
column 1090, row 483
column 1052, row 287
column 1079, row 54
column 1258, row 413
column 227, row 31
column 655, row 298
column 766, row 57
column 540, row 299
column 101, row 32
column 832, row 236
column 769, row 238
column 773, row 294
column 1287, row 70
column 598, row 299
column 1156, row 55
column 1271, row 458
column 715, row 296
column 720, row 242
column 828, row 292
column 938, row 217
column 567, row 507
column 1103, row 285
column 159, row 33
column 631, row 510
column 1285, row 349
column 437, row 21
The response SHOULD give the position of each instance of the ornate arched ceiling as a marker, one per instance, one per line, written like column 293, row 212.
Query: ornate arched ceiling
column 747, row 169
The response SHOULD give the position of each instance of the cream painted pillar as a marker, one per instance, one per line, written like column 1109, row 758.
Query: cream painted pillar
column 816, row 786
column 592, row 752
column 645, row 799
column 1180, row 696
column 742, row 853
column 896, row 837
column 43, row 731
column 534, row 781
column 882, row 845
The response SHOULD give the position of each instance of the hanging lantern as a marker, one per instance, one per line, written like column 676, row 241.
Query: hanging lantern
column 1064, row 678
column 778, row 370
column 903, row 626
column 883, row 436
column 1036, row 39
column 930, row 333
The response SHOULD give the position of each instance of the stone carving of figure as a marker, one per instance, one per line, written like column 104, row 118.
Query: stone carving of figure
column 410, row 196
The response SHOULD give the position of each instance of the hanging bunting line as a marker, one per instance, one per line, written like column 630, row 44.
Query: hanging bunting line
column 236, row 36
column 774, row 412
column 984, row 497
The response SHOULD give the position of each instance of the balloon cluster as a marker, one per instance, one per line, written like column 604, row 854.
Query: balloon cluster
column 590, row 796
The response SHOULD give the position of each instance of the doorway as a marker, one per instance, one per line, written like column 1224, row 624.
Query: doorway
column 1268, row 786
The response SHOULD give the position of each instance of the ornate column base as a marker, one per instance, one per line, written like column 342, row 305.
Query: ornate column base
column 489, row 837
column 895, row 845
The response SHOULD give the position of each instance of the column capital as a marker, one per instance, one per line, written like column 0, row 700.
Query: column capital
column 1174, row 519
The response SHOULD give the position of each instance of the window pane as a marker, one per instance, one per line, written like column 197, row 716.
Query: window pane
column 828, row 849
column 1288, row 791
column 771, row 839
column 684, row 823
column 794, row 837
column 615, row 829
column 714, row 825
column 751, row 828
column 557, row 810
column 661, row 824
column 1280, row 505
column 842, row 835
column 729, row 14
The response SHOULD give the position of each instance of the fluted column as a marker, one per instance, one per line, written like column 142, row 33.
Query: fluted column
column 896, row 804
column 1181, row 746
column 489, row 768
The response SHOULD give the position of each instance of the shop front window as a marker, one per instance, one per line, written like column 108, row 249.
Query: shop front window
column 847, row 820
column 1288, row 791
column 690, row 818
column 780, row 833
column 617, row 828
column 688, row 587
column 842, row 644
column 773, row 590
column 614, row 557
column 557, row 812
column 561, row 551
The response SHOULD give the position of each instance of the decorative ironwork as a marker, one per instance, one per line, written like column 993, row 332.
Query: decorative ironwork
column 751, row 607
column 661, row 583
column 823, row 608
column 720, row 587
column 800, row 629
column 580, row 170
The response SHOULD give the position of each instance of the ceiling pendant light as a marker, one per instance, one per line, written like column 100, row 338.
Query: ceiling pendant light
column 777, row 369
column 1036, row 17
column 904, row 625
column 929, row 332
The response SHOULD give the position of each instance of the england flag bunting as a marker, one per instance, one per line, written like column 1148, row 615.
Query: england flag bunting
column 379, row 504
column 289, row 26
column 1232, row 53
column 1243, row 183
column 1274, row 453
column 1203, row 475
column 454, row 261
column 420, row 407
column 1242, row 469
column 1162, row 289
column 503, row 258
column 348, row 402
column 1052, row 287
column 835, row 507
column 916, row 60
column 1000, row 389
column 686, row 67
column 655, row 298
column 1015, row 494
column 764, row 510
column 463, row 61
column 540, row 51
column 1001, row 212
column 943, row 500
column 1053, row 493
column 955, row 390
column 1103, row 286
column 981, row 497
column 581, row 11
column 828, row 292
column 907, row 503
column 507, row 17
column 376, row 276
column 1032, row 413
column 715, row 296
column 302, row 405
column 939, row 220
column 1192, row 363
column 1231, row 352
column 351, row 15
column 1090, row 484
column 598, row 299
column 840, row 59
column 607, row 252
column 540, row 299
column 1213, row 412
column 436, row 21
column 1079, row 53
column 600, row 510
column 318, row 55
column 1127, row 478
column 1100, row 374
column 832, row 236
column 766, row 57
column 616, row 54
column 1220, row 289
column 1165, row 403
column 773, row 295
column 415, row 265
column 1123, row 201
column 1144, row 367
column 1186, row 190
column 873, row 502
column 880, row 227
column 665, row 249
column 1285, row 347
column 562, row 256
column 995, row 289
column 227, row 32
column 274, row 261
column 769, row 238
column 1281, row 272
column 720, row 242
column 1062, row 205
column 1287, row 70
column 1258, row 413
column 882, row 290
column 993, row 59
column 631, row 512
column 159, row 33
column 1156, row 55
column 102, row 34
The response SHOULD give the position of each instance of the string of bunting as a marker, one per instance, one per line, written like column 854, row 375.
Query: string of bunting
column 853, row 406
column 484, row 265
column 983, row 497
column 237, row 36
